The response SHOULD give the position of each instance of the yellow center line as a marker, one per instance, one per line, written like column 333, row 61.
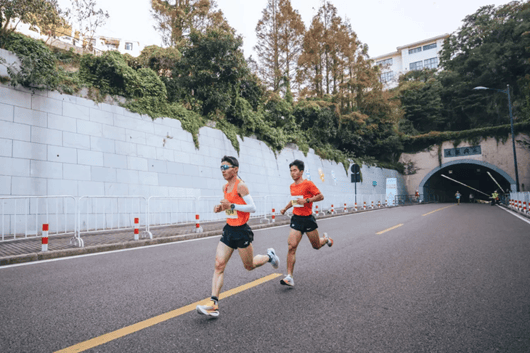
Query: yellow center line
column 438, row 210
column 97, row 341
column 386, row 230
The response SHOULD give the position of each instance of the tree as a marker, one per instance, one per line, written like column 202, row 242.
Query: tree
column 32, row 12
column 176, row 19
column 280, row 36
column 321, row 64
column 87, row 19
column 419, row 93
column 491, row 49
column 211, row 72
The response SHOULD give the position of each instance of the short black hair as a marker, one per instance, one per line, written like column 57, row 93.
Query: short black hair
column 232, row 160
column 297, row 163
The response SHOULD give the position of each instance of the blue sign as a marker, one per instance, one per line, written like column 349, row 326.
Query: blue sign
column 374, row 183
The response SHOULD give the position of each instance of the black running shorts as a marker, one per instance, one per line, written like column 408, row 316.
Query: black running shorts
column 304, row 223
column 237, row 237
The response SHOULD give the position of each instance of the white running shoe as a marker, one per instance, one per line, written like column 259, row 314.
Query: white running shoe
column 329, row 241
column 288, row 281
column 210, row 309
column 274, row 259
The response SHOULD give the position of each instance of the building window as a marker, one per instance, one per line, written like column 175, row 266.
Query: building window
column 387, row 76
column 385, row 62
column 128, row 46
column 431, row 63
column 418, row 65
column 414, row 50
column 429, row 46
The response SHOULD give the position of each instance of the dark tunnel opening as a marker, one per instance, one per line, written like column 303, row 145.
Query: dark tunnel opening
column 473, row 175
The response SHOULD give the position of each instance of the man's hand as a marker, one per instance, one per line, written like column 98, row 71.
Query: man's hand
column 282, row 211
column 217, row 208
column 300, row 201
column 225, row 204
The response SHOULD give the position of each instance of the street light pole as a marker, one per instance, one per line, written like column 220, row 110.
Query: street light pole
column 507, row 91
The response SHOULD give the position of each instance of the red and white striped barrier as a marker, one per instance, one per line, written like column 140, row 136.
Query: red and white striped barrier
column 524, row 206
column 332, row 210
column 316, row 210
column 372, row 205
column 364, row 206
column 136, row 228
column 273, row 216
column 378, row 204
column 345, row 209
column 45, row 228
column 356, row 207
column 198, row 228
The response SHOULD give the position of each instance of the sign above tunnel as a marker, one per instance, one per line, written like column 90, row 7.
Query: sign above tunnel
column 462, row 151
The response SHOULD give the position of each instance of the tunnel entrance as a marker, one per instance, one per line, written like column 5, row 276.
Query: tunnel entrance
column 470, row 172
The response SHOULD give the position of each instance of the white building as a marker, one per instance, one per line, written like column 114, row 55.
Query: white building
column 66, row 40
column 415, row 56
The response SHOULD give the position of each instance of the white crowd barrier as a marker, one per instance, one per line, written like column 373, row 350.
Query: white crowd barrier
column 22, row 217
column 520, row 202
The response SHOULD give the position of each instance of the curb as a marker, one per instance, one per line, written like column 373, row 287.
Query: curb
column 54, row 254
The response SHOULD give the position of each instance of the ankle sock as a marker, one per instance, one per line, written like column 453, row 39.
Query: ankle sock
column 215, row 299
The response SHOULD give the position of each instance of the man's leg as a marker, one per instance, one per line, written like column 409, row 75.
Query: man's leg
column 316, row 241
column 294, row 239
column 222, row 256
column 249, row 260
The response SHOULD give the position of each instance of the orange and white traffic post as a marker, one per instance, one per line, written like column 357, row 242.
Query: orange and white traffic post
column 136, row 228
column 345, row 209
column 273, row 216
column 45, row 228
column 198, row 228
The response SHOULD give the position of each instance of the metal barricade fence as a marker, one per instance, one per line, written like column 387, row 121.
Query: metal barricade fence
column 110, row 213
column 166, row 211
column 22, row 216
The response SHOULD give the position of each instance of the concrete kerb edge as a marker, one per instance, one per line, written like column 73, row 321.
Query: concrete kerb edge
column 54, row 254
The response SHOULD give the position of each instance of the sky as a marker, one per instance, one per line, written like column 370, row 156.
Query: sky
column 382, row 24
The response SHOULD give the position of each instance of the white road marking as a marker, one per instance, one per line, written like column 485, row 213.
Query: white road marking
column 515, row 214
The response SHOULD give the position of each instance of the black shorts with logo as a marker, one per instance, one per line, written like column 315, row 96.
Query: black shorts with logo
column 304, row 223
column 237, row 237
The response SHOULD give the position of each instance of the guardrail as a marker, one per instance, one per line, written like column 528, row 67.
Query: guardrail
column 22, row 216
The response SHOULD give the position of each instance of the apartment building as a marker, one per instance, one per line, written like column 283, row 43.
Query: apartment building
column 69, row 38
column 415, row 56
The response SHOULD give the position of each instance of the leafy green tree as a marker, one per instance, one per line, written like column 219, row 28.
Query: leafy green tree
column 491, row 49
column 211, row 72
column 33, row 12
column 419, row 93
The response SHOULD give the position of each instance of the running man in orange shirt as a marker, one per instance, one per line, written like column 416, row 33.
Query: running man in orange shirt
column 238, row 204
column 303, row 194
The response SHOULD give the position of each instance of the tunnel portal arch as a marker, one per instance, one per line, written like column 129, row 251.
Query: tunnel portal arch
column 424, row 183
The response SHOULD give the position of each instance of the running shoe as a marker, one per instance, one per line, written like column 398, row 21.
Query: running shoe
column 329, row 241
column 210, row 309
column 288, row 281
column 274, row 259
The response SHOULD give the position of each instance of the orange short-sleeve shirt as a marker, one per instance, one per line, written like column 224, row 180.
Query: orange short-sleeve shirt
column 305, row 190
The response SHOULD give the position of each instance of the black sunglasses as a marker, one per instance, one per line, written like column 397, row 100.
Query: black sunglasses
column 226, row 167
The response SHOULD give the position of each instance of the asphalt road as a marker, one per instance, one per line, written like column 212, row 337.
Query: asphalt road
column 453, row 280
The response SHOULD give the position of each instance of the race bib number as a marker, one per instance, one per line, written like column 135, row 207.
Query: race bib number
column 293, row 201
column 231, row 214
